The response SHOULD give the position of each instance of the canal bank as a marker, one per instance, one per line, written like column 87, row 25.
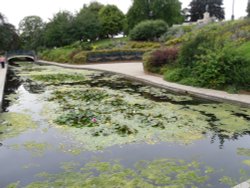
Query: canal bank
column 135, row 71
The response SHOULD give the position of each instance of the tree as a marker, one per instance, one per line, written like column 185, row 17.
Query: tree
column 86, row 24
column 58, row 32
column 112, row 20
column 9, row 39
column 198, row 8
column 167, row 10
column 2, row 19
column 248, row 9
column 31, row 29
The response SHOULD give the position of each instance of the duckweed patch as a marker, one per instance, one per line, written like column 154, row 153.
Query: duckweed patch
column 58, row 78
column 243, row 152
column 37, row 149
column 157, row 173
column 244, row 176
column 13, row 124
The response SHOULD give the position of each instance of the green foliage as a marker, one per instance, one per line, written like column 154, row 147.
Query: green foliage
column 112, row 20
column 176, row 34
column 68, row 55
column 141, row 10
column 60, row 55
column 80, row 58
column 86, row 25
column 57, row 31
column 112, row 43
column 198, row 8
column 215, row 56
column 248, row 10
column 8, row 35
column 31, row 29
column 148, row 30
column 142, row 45
column 173, row 74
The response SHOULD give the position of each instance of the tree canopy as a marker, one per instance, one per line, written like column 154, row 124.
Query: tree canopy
column 112, row 20
column 31, row 29
column 167, row 10
column 58, row 30
column 86, row 24
column 198, row 8
column 248, row 9
column 9, row 39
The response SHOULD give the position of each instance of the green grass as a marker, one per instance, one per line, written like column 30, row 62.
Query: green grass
column 244, row 50
column 105, row 42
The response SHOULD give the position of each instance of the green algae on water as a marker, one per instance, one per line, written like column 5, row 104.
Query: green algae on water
column 14, row 185
column 157, row 173
column 243, row 152
column 120, row 118
column 37, row 149
column 14, row 124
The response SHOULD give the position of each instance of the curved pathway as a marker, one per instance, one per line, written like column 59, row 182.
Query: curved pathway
column 135, row 71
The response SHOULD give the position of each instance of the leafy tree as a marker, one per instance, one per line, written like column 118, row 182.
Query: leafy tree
column 112, row 20
column 167, row 10
column 248, row 9
column 31, row 29
column 86, row 24
column 2, row 19
column 198, row 8
column 58, row 32
column 9, row 39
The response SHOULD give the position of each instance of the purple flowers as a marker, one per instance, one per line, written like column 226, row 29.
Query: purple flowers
column 93, row 120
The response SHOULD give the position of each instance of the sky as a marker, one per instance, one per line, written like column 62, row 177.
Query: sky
column 16, row 10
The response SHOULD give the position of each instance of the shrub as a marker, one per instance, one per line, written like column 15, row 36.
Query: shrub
column 143, row 45
column 154, row 61
column 86, row 46
column 173, row 74
column 197, row 46
column 176, row 32
column 148, row 30
column 80, row 58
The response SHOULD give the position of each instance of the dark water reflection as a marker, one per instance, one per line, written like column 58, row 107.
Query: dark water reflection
column 216, row 150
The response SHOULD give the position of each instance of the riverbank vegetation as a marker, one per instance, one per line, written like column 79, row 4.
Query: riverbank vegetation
column 214, row 56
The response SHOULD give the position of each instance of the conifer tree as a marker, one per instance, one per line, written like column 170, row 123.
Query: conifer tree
column 198, row 8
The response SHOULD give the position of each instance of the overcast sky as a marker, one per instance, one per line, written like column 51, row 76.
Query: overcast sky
column 16, row 10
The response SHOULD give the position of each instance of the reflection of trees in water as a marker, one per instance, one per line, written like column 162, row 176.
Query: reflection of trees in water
column 33, row 87
column 13, row 82
column 218, row 133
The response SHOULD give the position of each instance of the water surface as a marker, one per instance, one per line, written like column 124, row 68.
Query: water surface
column 83, row 128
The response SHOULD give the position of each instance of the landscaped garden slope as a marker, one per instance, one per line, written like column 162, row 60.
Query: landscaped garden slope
column 99, row 51
column 212, row 56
